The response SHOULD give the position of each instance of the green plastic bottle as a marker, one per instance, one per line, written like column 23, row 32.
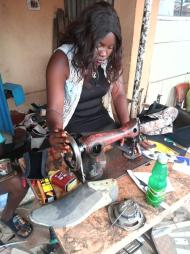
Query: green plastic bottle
column 157, row 181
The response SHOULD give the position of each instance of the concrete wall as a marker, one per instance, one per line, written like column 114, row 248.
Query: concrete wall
column 170, row 61
column 26, row 44
column 131, row 13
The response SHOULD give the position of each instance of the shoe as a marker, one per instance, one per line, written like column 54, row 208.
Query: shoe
column 19, row 226
column 77, row 205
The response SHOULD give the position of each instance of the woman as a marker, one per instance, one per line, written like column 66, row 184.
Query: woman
column 83, row 72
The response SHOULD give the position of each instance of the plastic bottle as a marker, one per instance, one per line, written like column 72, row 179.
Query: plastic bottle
column 94, row 165
column 157, row 181
column 3, row 201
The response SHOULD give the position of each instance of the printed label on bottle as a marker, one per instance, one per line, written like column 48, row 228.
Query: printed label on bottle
column 155, row 193
column 155, row 197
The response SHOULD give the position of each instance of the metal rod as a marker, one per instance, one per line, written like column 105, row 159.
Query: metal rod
column 119, row 216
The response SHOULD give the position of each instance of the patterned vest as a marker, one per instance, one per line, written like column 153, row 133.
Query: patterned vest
column 73, row 88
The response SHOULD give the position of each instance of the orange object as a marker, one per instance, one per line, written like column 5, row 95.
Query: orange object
column 42, row 194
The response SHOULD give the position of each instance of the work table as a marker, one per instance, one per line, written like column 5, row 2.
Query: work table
column 96, row 235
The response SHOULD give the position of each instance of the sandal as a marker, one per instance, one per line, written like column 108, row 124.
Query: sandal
column 19, row 226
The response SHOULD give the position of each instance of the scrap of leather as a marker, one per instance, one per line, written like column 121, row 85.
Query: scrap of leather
column 77, row 205
column 17, row 117
column 20, row 136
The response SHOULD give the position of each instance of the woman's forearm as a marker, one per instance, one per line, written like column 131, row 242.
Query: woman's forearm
column 121, row 108
column 120, row 101
column 54, row 119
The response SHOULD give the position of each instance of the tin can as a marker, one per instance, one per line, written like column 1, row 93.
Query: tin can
column 5, row 167
column 66, row 181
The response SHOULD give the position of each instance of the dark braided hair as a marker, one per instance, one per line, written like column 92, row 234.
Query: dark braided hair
column 94, row 23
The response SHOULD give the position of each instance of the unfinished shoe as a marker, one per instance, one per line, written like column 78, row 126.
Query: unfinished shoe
column 77, row 205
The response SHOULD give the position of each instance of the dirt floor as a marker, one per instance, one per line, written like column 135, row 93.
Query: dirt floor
column 172, row 236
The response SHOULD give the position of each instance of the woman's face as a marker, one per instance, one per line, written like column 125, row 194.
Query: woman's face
column 105, row 48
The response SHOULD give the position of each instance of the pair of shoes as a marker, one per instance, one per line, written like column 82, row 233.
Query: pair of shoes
column 19, row 226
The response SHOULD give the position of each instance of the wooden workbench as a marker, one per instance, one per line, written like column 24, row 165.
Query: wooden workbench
column 96, row 235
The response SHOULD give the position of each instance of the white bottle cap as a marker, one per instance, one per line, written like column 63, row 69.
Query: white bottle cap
column 162, row 158
column 43, row 112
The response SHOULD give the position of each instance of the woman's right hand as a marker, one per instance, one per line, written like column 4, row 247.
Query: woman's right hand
column 58, row 140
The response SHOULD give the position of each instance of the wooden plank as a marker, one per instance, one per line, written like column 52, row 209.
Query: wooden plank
column 95, row 234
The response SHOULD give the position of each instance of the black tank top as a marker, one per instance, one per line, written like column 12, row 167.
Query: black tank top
column 90, row 115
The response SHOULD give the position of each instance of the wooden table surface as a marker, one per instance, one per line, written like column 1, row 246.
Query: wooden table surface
column 96, row 235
